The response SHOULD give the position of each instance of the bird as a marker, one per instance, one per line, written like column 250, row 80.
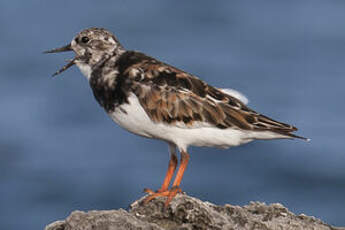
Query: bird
column 156, row 100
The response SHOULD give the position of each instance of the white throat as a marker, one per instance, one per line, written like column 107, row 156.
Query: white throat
column 85, row 69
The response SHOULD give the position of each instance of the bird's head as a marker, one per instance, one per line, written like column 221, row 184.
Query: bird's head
column 90, row 46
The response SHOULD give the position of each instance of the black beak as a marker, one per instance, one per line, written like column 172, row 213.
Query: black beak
column 59, row 50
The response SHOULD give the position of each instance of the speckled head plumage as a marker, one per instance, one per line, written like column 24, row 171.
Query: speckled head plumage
column 90, row 46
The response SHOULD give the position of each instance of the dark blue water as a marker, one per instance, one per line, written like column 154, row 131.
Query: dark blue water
column 60, row 152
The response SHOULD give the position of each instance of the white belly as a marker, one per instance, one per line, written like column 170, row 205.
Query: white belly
column 133, row 118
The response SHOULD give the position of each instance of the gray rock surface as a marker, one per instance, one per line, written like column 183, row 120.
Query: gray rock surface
column 187, row 213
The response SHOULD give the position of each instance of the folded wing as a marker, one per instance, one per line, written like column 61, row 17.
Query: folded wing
column 174, row 97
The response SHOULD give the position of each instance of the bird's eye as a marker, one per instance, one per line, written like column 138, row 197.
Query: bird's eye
column 84, row 39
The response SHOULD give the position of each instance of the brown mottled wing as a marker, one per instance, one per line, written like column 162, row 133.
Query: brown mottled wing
column 174, row 97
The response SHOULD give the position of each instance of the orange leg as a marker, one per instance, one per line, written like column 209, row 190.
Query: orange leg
column 183, row 166
column 170, row 194
column 170, row 173
column 171, row 169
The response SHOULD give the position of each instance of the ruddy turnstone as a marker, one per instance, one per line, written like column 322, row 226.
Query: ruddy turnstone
column 156, row 100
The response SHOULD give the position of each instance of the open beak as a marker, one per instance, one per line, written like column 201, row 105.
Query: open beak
column 59, row 50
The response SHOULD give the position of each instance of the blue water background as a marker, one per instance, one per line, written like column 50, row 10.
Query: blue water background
column 60, row 152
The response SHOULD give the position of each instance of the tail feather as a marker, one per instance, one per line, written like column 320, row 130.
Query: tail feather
column 289, row 134
column 278, row 127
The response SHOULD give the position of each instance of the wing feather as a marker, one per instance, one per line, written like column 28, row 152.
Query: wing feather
column 174, row 97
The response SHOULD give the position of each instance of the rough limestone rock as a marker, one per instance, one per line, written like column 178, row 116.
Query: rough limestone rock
column 187, row 213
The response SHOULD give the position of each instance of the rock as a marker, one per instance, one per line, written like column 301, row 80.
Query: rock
column 102, row 220
column 187, row 213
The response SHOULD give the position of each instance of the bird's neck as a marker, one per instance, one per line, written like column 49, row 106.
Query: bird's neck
column 109, row 86
column 98, row 62
column 85, row 69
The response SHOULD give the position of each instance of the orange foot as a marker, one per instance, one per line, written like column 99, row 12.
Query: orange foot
column 170, row 194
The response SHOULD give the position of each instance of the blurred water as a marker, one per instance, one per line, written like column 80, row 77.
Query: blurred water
column 60, row 152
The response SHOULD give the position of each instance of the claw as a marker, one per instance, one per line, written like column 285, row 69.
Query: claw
column 149, row 191
column 170, row 194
